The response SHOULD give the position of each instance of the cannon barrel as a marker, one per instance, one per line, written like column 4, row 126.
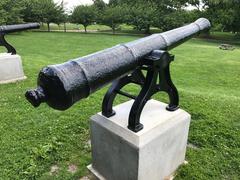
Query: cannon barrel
column 62, row 85
column 18, row 27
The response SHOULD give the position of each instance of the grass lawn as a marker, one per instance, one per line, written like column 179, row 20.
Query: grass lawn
column 34, row 141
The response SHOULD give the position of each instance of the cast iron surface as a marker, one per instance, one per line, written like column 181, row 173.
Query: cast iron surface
column 157, row 66
column 9, row 47
column 18, row 27
column 64, row 84
column 14, row 28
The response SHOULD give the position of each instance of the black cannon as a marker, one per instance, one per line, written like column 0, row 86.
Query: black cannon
column 62, row 85
column 14, row 28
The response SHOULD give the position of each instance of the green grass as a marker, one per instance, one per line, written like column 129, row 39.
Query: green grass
column 33, row 140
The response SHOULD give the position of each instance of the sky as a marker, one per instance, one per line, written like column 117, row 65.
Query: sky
column 69, row 4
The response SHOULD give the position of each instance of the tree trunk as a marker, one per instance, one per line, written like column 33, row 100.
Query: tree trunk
column 113, row 28
column 65, row 28
column 85, row 28
column 48, row 26
column 147, row 31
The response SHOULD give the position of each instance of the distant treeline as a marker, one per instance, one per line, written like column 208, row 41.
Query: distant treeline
column 141, row 14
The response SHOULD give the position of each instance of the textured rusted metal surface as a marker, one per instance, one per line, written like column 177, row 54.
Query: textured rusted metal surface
column 62, row 85
column 18, row 27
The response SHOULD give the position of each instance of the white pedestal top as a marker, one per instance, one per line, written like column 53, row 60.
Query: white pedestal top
column 155, row 119
column 10, row 68
column 9, row 55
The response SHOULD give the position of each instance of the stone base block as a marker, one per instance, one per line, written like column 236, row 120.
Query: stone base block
column 10, row 68
column 153, row 153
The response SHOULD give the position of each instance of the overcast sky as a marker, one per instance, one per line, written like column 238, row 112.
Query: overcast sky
column 71, row 3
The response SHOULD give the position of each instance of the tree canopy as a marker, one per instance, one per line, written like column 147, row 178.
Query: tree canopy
column 85, row 15
column 45, row 11
column 113, row 16
column 142, row 16
column 11, row 11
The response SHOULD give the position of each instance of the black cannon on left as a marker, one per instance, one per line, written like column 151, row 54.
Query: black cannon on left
column 62, row 85
column 11, row 29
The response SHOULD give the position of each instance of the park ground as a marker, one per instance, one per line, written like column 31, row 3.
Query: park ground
column 47, row 144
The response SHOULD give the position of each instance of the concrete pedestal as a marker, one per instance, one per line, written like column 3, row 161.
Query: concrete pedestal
column 153, row 153
column 10, row 68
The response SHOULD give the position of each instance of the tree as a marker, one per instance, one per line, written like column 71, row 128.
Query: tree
column 10, row 11
column 45, row 11
column 61, row 16
column 113, row 16
column 65, row 19
column 142, row 16
column 224, row 14
column 53, row 13
column 85, row 15
column 228, row 14
column 116, row 2
column 100, row 5
column 174, row 19
column 159, row 3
